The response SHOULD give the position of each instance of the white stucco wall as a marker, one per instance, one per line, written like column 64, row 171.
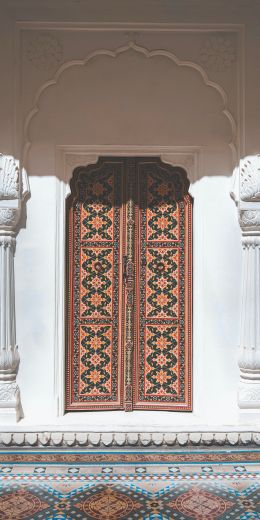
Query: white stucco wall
column 70, row 91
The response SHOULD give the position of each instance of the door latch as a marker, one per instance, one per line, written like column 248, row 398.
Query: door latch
column 125, row 269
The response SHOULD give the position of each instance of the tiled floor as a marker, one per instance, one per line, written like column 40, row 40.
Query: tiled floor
column 77, row 485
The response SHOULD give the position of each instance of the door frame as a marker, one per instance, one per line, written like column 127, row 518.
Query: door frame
column 67, row 158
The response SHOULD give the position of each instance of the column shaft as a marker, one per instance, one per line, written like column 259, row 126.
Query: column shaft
column 249, row 355
column 10, row 405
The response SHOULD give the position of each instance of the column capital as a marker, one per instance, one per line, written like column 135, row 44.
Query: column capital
column 246, row 180
column 14, row 190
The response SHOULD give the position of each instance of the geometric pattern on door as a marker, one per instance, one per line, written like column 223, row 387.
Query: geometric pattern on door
column 129, row 287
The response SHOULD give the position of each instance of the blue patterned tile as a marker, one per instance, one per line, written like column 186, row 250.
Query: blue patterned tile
column 207, row 469
column 107, row 470
column 174, row 469
column 240, row 469
column 249, row 516
column 38, row 470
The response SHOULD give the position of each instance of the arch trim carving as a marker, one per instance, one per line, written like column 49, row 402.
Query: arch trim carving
column 114, row 54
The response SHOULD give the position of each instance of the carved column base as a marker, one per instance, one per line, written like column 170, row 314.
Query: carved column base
column 10, row 403
column 249, row 394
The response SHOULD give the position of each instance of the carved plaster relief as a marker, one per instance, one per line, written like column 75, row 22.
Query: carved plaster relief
column 73, row 160
column 188, row 161
column 250, row 179
column 65, row 439
column 218, row 52
column 44, row 51
column 9, row 178
column 249, row 219
column 210, row 52
column 82, row 76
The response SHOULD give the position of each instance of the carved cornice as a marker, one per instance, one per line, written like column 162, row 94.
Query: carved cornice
column 128, row 439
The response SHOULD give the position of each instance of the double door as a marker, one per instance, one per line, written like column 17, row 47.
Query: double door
column 129, row 292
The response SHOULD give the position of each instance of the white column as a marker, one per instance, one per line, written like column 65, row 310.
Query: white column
column 13, row 192
column 247, row 197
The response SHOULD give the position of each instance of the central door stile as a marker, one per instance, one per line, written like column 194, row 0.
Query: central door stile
column 129, row 277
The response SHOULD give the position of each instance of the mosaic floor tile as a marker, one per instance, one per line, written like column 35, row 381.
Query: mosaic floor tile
column 73, row 470
column 133, row 486
column 6, row 469
column 174, row 469
column 107, row 470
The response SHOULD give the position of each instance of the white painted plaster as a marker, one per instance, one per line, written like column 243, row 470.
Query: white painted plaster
column 123, row 99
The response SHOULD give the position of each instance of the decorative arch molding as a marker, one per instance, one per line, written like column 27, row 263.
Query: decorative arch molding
column 114, row 54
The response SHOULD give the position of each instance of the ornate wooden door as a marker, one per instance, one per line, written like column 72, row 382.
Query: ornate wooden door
column 129, row 293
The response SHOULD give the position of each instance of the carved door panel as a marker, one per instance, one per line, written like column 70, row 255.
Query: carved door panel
column 162, row 368
column 129, row 287
column 94, row 365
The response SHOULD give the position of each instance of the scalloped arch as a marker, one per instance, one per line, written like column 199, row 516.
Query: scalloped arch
column 113, row 54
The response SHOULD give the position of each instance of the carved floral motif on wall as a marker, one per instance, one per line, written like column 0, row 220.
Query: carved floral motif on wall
column 44, row 51
column 218, row 52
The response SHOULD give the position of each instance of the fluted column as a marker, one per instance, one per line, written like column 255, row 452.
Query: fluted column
column 13, row 191
column 247, row 197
